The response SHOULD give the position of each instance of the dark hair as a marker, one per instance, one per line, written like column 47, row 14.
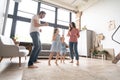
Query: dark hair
column 42, row 12
column 73, row 25
column 55, row 30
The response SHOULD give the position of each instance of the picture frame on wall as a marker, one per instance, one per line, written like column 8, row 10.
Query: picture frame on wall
column 111, row 25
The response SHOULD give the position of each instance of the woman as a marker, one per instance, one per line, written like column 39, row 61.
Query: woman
column 73, row 33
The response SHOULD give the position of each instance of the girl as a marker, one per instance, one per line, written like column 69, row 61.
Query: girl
column 63, row 49
column 55, row 47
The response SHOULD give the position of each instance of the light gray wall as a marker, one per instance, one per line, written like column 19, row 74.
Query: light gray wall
column 97, row 18
column 2, row 13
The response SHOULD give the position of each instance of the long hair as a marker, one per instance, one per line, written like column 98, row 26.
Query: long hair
column 73, row 25
column 54, row 32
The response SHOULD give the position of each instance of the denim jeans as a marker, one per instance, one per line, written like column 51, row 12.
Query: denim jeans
column 73, row 50
column 36, row 47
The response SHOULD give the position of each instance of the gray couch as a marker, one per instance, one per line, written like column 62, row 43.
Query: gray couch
column 46, row 51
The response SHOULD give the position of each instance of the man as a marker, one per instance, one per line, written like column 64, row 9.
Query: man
column 34, row 33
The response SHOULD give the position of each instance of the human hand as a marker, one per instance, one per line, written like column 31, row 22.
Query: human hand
column 76, row 35
column 69, row 33
column 40, row 30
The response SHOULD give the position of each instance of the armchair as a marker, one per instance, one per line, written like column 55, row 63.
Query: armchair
column 9, row 49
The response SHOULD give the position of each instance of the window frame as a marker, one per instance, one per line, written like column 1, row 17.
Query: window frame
column 15, row 18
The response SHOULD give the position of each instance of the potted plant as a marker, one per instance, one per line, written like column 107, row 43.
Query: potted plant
column 14, row 38
column 95, row 52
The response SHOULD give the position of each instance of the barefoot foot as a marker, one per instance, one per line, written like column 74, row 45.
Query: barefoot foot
column 56, row 63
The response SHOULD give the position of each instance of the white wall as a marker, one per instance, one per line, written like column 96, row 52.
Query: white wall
column 2, row 13
column 97, row 17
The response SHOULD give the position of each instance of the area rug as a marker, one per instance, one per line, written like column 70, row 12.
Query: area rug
column 65, row 71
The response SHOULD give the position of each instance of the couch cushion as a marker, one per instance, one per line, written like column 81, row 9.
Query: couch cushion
column 46, row 46
column 45, row 51
column 6, row 40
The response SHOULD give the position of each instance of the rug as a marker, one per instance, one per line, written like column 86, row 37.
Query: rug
column 65, row 71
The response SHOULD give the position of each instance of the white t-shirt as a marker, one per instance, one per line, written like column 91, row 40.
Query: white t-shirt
column 33, row 28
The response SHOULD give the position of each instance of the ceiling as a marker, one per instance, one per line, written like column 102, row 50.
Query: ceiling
column 73, row 5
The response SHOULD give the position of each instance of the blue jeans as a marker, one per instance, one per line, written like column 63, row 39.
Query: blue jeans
column 36, row 47
column 73, row 50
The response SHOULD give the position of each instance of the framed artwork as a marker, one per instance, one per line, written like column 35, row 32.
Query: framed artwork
column 116, row 35
column 111, row 25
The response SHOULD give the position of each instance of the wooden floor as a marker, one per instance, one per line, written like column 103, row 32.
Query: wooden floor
column 10, row 70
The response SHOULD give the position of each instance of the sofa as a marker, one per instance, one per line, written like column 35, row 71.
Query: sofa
column 9, row 49
column 45, row 51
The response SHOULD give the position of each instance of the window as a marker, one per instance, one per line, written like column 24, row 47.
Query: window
column 46, row 34
column 29, row 10
column 8, row 27
column 73, row 17
column 63, row 23
column 11, row 7
column 63, row 17
column 50, row 13
column 22, row 31
column 47, row 7
column 9, row 20
column 26, row 12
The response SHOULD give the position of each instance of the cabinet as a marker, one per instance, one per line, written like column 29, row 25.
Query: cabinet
column 85, row 43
